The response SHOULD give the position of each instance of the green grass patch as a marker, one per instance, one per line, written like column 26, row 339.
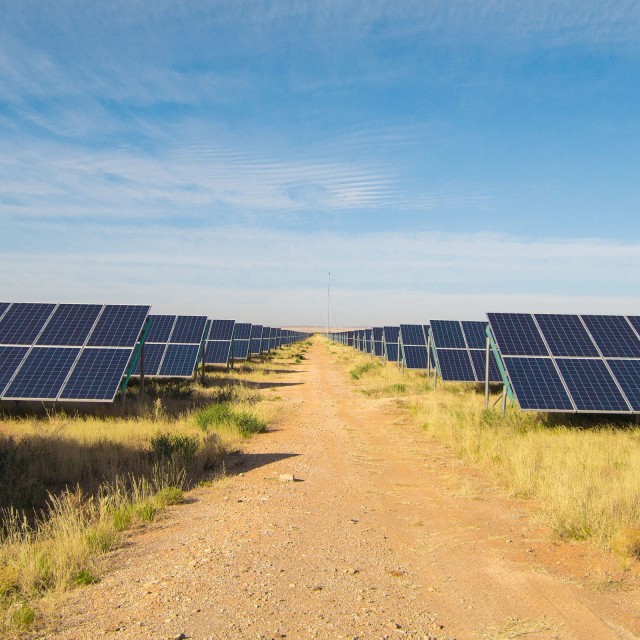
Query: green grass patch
column 223, row 416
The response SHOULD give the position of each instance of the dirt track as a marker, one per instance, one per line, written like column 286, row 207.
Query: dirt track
column 386, row 535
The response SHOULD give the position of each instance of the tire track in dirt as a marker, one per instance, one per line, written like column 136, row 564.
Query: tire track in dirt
column 387, row 535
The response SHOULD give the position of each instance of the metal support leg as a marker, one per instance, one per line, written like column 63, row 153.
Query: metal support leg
column 142, row 369
column 504, row 399
column 486, row 375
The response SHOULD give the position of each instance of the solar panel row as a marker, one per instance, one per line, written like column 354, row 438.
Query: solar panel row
column 574, row 363
column 76, row 352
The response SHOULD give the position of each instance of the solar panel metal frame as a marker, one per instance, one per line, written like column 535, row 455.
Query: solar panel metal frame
column 219, row 342
column 411, row 340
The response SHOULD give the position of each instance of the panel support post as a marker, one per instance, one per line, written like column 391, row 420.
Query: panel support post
column 486, row 374
column 504, row 399
column 142, row 369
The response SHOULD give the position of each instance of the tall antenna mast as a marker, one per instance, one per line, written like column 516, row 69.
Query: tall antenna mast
column 328, row 302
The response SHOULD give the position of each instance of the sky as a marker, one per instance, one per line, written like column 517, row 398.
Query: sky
column 440, row 159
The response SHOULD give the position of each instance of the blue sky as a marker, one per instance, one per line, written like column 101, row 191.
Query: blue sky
column 441, row 159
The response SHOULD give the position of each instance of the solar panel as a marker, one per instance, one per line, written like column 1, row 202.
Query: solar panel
column 391, row 351
column 119, row 326
column 591, row 385
column 635, row 323
column 23, row 322
column 188, row 330
column 256, row 339
column 447, row 334
column 240, row 349
column 43, row 368
column 153, row 354
column 475, row 333
column 264, row 343
column 161, row 328
column 98, row 375
column 391, row 334
column 537, row 384
column 479, row 361
column 179, row 360
column 3, row 307
column 242, row 331
column 455, row 364
column 412, row 334
column 70, row 325
column 415, row 357
column 627, row 373
column 221, row 329
column 217, row 351
column 10, row 360
column 566, row 335
column 595, row 358
column 517, row 334
column 42, row 374
column 614, row 336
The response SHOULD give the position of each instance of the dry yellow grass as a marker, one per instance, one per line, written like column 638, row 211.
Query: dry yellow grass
column 584, row 475
column 71, row 485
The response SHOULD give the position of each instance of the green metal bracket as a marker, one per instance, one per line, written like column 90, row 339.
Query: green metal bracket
column 136, row 355
column 503, row 372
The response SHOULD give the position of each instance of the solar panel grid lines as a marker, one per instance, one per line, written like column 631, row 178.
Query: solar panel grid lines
column 479, row 361
column 565, row 335
column 256, row 339
column 97, row 374
column 161, row 328
column 10, row 360
column 475, row 333
column 634, row 321
column 537, row 384
column 412, row 334
column 70, row 325
column 592, row 386
column 119, row 326
column 627, row 374
column 153, row 355
column 42, row 374
column 448, row 334
column 222, row 329
column 517, row 334
column 242, row 331
column 179, row 360
column 613, row 335
column 3, row 308
column 415, row 356
column 455, row 364
column 391, row 351
column 391, row 334
column 188, row 330
column 23, row 322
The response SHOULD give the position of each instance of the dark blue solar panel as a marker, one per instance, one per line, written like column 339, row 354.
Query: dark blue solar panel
column 613, row 335
column 566, row 335
column 242, row 331
column 240, row 349
column 22, row 322
column 635, row 323
column 391, row 351
column 475, row 331
column 153, row 354
column 70, row 325
column 264, row 344
column 415, row 357
column 537, row 384
column 412, row 334
column 207, row 329
column 377, row 348
column 119, row 326
column 455, row 364
column 221, row 330
column 256, row 331
column 627, row 373
column 591, row 385
column 189, row 329
column 517, row 334
column 3, row 307
column 391, row 334
column 217, row 352
column 377, row 333
column 447, row 334
column 161, row 327
column 180, row 360
column 479, row 359
column 43, row 373
column 98, row 375
column 10, row 359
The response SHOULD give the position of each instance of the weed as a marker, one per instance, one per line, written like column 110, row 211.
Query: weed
column 84, row 578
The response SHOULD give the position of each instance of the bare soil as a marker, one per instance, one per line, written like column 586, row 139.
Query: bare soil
column 384, row 534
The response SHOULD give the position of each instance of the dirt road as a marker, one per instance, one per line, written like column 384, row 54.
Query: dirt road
column 385, row 535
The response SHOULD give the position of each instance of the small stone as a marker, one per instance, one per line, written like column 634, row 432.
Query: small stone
column 287, row 477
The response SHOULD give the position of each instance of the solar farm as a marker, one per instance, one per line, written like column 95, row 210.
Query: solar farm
column 545, row 362
column 89, row 352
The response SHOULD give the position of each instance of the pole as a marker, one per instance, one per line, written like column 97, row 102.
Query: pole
column 486, row 374
column 328, row 302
